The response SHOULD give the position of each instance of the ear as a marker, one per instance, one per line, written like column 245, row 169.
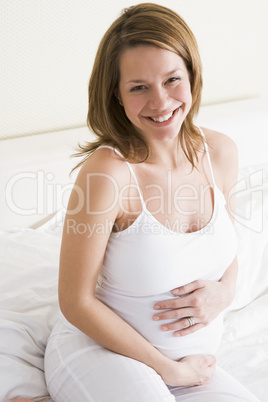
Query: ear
column 117, row 94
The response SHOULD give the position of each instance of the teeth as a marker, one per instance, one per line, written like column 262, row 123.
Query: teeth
column 162, row 118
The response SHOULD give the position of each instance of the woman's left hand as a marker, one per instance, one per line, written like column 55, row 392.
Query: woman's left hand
column 198, row 303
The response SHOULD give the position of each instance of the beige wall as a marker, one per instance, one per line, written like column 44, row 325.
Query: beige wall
column 47, row 49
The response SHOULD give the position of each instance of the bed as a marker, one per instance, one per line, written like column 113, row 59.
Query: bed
column 35, row 185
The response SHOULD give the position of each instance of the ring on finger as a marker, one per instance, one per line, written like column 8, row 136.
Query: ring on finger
column 191, row 321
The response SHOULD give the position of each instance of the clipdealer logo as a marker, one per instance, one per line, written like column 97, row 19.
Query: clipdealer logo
column 249, row 193
column 50, row 196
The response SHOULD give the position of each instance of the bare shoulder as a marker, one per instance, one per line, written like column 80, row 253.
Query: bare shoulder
column 224, row 158
column 98, row 185
column 220, row 145
column 107, row 163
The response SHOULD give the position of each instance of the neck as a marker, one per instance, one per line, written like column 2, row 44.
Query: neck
column 168, row 155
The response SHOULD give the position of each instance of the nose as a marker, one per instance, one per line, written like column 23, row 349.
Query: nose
column 159, row 99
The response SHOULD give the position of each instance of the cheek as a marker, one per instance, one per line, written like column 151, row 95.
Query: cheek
column 183, row 92
column 132, row 105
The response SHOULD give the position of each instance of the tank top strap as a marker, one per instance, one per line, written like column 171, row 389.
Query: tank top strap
column 208, row 156
column 130, row 169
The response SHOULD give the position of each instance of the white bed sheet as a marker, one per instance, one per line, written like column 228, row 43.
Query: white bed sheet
column 244, row 348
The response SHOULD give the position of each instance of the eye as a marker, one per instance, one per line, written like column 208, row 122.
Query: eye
column 137, row 88
column 173, row 79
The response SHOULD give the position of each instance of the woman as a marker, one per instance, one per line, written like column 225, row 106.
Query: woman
column 148, row 251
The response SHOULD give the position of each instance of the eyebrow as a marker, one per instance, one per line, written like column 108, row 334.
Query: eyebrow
column 142, row 81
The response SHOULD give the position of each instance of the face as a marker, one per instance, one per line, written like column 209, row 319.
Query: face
column 155, row 91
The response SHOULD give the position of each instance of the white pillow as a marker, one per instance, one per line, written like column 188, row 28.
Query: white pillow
column 28, row 309
column 252, row 230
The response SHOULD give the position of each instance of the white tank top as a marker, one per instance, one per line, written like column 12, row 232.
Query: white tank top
column 144, row 262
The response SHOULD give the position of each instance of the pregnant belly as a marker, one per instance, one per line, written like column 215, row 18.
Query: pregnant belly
column 138, row 312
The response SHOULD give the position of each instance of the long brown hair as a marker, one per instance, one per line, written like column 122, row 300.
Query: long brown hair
column 143, row 24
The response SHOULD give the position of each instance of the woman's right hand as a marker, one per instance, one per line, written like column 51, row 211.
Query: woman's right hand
column 190, row 371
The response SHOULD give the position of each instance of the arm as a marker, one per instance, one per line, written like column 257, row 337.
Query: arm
column 80, row 263
column 205, row 300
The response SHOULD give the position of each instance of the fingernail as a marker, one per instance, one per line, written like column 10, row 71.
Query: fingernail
column 156, row 306
column 155, row 317
column 164, row 328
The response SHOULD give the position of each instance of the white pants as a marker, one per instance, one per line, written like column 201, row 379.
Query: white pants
column 78, row 371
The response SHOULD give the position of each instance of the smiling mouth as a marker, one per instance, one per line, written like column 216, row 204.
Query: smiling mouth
column 162, row 119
